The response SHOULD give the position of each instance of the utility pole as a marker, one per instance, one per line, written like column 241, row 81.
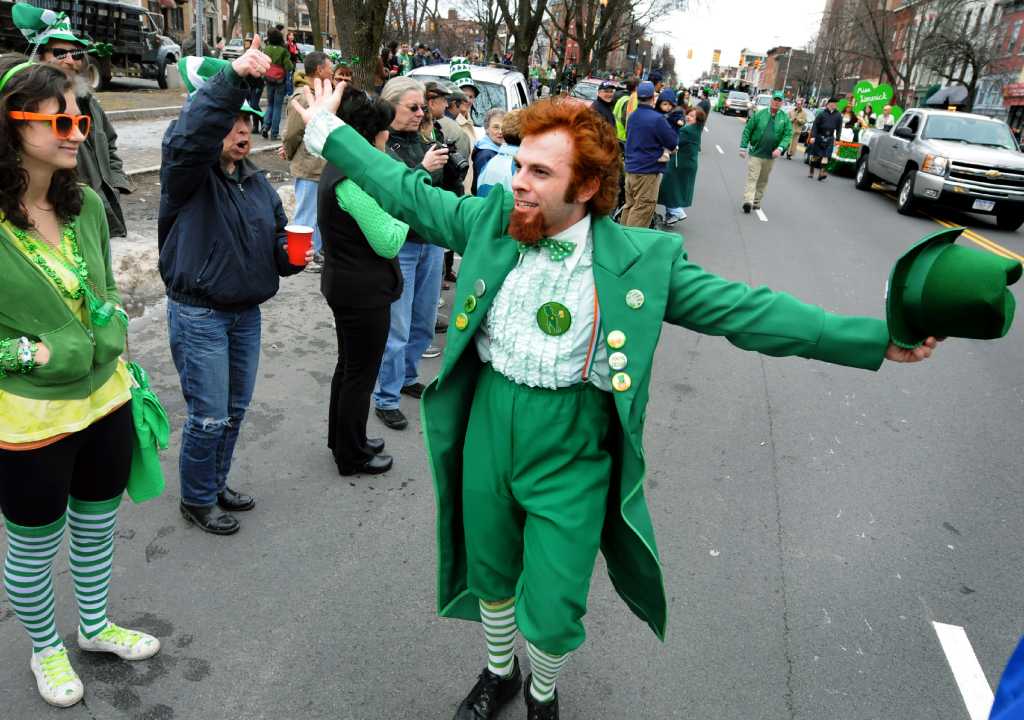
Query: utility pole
column 785, row 77
column 200, row 25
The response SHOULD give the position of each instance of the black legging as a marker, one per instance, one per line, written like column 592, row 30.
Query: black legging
column 362, row 335
column 92, row 464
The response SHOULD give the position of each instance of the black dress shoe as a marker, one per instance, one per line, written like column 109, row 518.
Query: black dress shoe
column 394, row 419
column 375, row 445
column 206, row 518
column 236, row 501
column 536, row 710
column 441, row 326
column 415, row 390
column 374, row 466
column 746, row 208
column 490, row 694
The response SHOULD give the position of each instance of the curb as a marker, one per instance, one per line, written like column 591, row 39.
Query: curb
column 156, row 168
column 145, row 113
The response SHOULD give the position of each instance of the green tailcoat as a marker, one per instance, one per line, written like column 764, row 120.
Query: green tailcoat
column 674, row 290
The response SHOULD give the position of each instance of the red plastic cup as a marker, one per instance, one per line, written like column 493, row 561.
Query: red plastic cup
column 300, row 239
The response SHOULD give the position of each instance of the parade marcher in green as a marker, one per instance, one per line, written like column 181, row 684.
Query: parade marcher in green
column 534, row 425
column 676, row 191
column 767, row 133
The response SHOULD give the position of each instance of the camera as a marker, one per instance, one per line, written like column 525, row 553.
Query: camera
column 455, row 168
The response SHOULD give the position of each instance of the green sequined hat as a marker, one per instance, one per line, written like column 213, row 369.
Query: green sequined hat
column 40, row 26
column 460, row 73
column 196, row 71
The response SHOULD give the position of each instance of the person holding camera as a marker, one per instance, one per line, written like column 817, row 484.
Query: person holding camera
column 414, row 313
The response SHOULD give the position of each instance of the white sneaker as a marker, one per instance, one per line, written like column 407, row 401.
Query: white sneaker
column 57, row 681
column 126, row 644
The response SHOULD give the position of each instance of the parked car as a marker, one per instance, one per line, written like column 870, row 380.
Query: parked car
column 958, row 160
column 586, row 89
column 233, row 49
column 305, row 49
column 140, row 47
column 761, row 101
column 736, row 103
column 500, row 87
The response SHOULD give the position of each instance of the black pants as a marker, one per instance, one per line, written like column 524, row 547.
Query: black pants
column 449, row 264
column 362, row 335
column 92, row 464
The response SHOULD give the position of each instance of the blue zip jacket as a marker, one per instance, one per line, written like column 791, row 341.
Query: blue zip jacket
column 647, row 137
column 221, row 239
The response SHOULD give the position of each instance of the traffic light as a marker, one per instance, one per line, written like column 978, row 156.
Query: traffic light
column 757, row 63
column 689, row 54
column 716, row 57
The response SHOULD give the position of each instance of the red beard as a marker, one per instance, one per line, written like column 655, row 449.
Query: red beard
column 526, row 226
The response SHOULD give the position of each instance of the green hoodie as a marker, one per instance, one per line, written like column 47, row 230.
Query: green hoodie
column 82, row 356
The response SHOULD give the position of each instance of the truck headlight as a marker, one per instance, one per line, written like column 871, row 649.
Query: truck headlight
column 935, row 165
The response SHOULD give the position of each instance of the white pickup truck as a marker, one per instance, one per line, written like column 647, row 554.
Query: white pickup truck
column 957, row 160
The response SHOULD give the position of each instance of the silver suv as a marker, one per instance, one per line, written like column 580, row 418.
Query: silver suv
column 959, row 160
column 736, row 102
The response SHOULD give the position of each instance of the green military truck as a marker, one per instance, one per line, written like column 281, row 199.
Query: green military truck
column 140, row 49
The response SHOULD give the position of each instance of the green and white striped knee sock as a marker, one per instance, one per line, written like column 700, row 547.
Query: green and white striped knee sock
column 28, row 578
column 499, row 621
column 92, row 551
column 545, row 669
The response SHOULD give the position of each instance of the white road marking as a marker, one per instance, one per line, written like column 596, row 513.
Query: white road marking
column 707, row 129
column 719, row 149
column 760, row 215
column 970, row 678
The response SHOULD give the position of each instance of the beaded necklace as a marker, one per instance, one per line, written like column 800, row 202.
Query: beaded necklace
column 100, row 311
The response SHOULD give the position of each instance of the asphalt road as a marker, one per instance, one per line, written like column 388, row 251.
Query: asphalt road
column 814, row 521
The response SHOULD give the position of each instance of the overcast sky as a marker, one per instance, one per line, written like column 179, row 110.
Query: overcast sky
column 731, row 25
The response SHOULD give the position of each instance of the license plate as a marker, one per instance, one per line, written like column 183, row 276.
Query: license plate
column 985, row 205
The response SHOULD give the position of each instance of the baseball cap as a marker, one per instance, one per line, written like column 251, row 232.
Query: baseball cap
column 645, row 90
column 436, row 88
column 606, row 86
column 654, row 76
column 777, row 95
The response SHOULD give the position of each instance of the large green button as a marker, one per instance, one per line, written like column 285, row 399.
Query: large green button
column 470, row 304
column 553, row 318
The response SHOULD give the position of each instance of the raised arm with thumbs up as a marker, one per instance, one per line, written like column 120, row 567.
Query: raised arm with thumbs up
column 253, row 62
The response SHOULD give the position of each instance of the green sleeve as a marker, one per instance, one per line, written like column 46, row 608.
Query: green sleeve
column 385, row 234
column 770, row 322
column 787, row 135
column 438, row 216
column 747, row 128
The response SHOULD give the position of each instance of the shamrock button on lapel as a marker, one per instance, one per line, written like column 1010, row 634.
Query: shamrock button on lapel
column 479, row 288
column 621, row 382
column 616, row 339
column 470, row 304
column 461, row 321
column 618, row 361
column 635, row 299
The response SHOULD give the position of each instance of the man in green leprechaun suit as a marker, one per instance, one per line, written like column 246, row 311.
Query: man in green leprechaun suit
column 534, row 424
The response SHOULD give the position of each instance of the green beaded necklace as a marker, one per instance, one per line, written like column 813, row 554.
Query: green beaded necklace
column 100, row 311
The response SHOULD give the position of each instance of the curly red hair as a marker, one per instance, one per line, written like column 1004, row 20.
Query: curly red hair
column 596, row 146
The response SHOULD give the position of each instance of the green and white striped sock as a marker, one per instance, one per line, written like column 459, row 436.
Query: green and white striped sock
column 28, row 579
column 92, row 551
column 545, row 669
column 499, row 621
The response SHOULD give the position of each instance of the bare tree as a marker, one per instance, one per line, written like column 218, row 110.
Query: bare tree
column 360, row 27
column 487, row 15
column 971, row 46
column 245, row 16
column 313, row 6
column 407, row 18
column 523, row 18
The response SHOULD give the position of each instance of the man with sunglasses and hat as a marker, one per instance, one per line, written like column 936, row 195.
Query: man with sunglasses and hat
column 99, row 165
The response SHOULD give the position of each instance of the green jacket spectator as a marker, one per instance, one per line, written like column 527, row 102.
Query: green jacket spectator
column 779, row 128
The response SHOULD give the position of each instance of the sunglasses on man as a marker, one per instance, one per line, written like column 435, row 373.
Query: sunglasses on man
column 61, row 53
column 62, row 124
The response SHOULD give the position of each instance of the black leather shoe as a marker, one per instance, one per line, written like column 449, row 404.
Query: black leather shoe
column 441, row 326
column 746, row 208
column 537, row 710
column 209, row 520
column 415, row 390
column 375, row 445
column 374, row 466
column 394, row 419
column 490, row 694
column 231, row 500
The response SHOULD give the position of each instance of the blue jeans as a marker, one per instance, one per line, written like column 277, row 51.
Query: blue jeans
column 305, row 208
column 217, row 355
column 275, row 102
column 412, row 321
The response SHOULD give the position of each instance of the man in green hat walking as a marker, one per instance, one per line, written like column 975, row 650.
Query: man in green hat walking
column 767, row 136
column 534, row 425
column 99, row 165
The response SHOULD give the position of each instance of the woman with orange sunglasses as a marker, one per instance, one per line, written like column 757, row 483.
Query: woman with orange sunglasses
column 66, row 429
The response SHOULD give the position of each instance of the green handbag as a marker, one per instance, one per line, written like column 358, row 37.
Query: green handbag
column 152, row 431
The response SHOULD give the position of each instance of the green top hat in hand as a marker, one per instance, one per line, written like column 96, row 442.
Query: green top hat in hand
column 942, row 289
column 196, row 71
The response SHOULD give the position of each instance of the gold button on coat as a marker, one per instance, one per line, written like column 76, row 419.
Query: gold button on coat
column 616, row 339
column 635, row 299
column 621, row 382
column 618, row 361
column 462, row 321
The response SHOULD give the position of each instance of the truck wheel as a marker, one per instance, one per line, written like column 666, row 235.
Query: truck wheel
column 97, row 74
column 161, row 71
column 905, row 204
column 863, row 178
column 1010, row 220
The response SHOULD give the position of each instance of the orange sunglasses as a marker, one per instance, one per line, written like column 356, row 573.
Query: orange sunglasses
column 62, row 124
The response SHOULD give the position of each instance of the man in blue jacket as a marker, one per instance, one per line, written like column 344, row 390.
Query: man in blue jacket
column 222, row 251
column 649, row 140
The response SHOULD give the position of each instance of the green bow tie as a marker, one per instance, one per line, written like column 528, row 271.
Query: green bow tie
column 558, row 250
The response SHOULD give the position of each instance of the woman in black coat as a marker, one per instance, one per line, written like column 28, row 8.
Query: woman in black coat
column 824, row 133
column 360, row 280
